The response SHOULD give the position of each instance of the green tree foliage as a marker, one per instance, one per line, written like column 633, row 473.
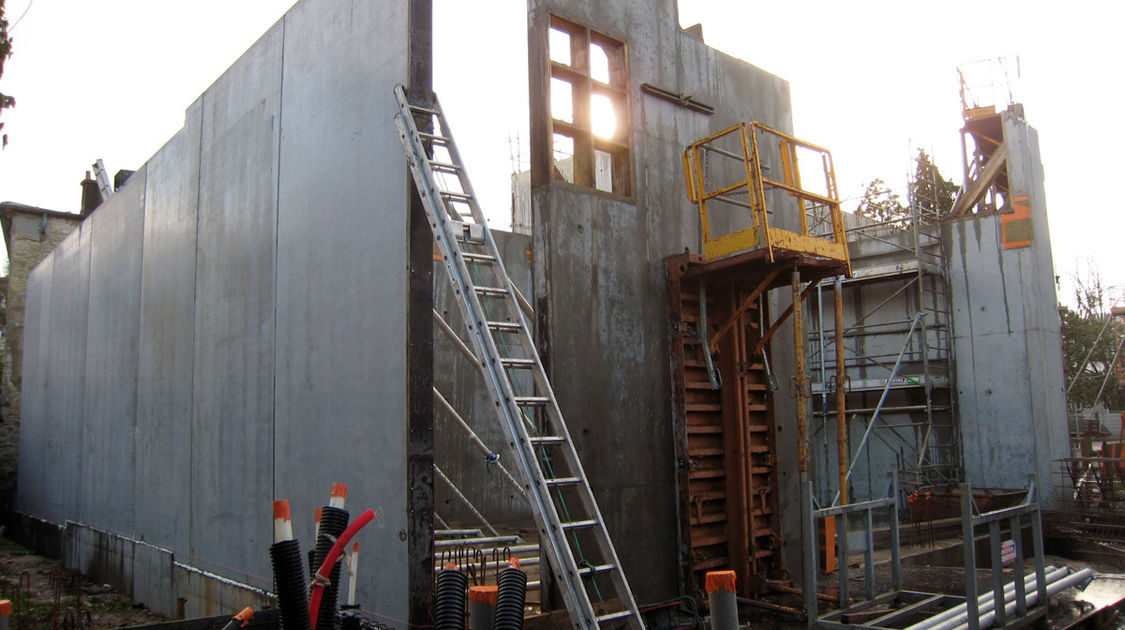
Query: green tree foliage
column 882, row 204
column 6, row 101
column 1081, row 327
column 929, row 191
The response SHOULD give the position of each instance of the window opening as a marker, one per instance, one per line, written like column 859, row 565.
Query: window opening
column 603, row 120
column 559, row 44
column 599, row 64
column 589, row 110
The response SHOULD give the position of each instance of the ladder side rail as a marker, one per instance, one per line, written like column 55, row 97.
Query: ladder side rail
column 498, row 384
column 552, row 411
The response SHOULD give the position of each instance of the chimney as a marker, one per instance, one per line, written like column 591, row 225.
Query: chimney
column 91, row 195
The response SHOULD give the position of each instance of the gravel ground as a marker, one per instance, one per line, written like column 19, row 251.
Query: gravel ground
column 46, row 595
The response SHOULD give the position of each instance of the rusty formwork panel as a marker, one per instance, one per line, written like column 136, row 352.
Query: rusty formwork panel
column 725, row 438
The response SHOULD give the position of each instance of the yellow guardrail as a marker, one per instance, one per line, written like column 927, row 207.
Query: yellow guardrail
column 739, row 152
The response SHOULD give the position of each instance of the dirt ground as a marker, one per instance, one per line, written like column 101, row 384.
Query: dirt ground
column 46, row 595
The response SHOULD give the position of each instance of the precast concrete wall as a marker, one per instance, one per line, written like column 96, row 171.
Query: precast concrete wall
column 229, row 327
column 1009, row 369
column 462, row 384
column 600, row 298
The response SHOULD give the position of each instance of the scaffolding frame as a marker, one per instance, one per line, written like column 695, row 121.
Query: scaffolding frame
column 902, row 394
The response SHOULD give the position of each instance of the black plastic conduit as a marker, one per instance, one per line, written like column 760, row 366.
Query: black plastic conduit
column 288, row 572
column 511, row 595
column 333, row 522
column 450, row 599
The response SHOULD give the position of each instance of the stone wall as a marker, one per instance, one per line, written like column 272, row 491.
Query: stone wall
column 30, row 234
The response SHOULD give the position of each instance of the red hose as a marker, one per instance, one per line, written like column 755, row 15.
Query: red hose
column 329, row 560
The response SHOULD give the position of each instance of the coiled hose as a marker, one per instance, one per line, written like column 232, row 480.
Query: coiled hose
column 450, row 599
column 289, row 584
column 333, row 522
column 511, row 595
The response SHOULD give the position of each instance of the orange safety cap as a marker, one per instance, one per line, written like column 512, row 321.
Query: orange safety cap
column 483, row 594
column 245, row 616
column 316, row 514
column 721, row 581
column 339, row 489
column 514, row 562
column 281, row 509
column 5, row 608
column 451, row 566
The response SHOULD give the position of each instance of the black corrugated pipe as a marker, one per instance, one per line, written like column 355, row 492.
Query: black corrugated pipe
column 350, row 618
column 288, row 571
column 333, row 522
column 511, row 595
column 450, row 599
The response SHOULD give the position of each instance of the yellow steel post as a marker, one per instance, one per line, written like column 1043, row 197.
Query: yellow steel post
column 799, row 376
column 704, row 224
column 747, row 167
column 795, row 174
column 764, row 236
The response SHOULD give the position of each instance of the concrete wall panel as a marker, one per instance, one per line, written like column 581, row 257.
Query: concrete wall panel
column 167, row 313
column 168, row 362
column 105, row 495
column 66, row 383
column 33, row 494
column 152, row 577
column 232, row 424
column 342, row 277
column 462, row 384
column 1006, row 336
column 598, row 270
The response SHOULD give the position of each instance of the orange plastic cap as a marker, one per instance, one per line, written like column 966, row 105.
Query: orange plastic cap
column 5, row 608
column 721, row 581
column 451, row 566
column 281, row 509
column 316, row 514
column 514, row 562
column 340, row 490
column 355, row 547
column 483, row 594
column 245, row 616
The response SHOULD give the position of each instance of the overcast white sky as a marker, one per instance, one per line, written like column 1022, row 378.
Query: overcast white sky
column 869, row 80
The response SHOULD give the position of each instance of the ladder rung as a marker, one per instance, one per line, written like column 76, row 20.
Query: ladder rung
column 598, row 568
column 478, row 258
column 505, row 326
column 492, row 291
column 580, row 524
column 547, row 439
column 518, row 363
column 445, row 167
column 564, row 481
column 424, row 110
column 433, row 137
column 614, row 616
column 532, row 401
column 456, row 196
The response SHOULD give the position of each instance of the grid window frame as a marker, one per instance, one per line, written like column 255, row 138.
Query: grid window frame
column 587, row 170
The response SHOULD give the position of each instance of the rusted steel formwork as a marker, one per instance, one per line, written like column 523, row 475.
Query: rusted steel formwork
column 725, row 437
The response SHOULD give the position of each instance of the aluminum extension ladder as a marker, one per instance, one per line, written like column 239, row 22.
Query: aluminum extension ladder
column 571, row 529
